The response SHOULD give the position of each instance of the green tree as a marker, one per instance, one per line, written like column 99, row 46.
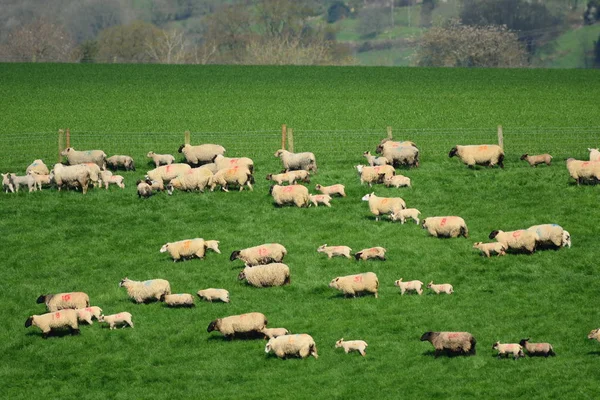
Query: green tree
column 592, row 12
column 373, row 21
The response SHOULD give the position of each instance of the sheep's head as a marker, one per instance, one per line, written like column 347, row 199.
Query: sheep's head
column 428, row 336
column 359, row 168
column 424, row 224
column 477, row 244
column 242, row 275
column 321, row 248
column 150, row 154
column 162, row 297
column 268, row 347
column 524, row 156
column 270, row 177
column 124, row 282
column 279, row 152
column 453, row 152
column 66, row 151
column 334, row 283
column 495, row 345
column 234, row 255
column 339, row 343
column 429, row 284
column 170, row 189
column 397, row 283
column 367, row 196
column 164, row 248
column 523, row 342
column 493, row 234
column 29, row 322
column 41, row 299
column 594, row 334
column 379, row 149
column 318, row 187
column 212, row 326
column 213, row 245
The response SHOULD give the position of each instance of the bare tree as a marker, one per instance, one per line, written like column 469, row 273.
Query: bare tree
column 127, row 43
column 167, row 48
column 39, row 41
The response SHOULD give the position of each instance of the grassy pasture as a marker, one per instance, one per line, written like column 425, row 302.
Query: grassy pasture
column 54, row 242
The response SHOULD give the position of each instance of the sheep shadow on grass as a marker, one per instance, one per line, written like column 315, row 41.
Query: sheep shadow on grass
column 446, row 353
column 594, row 353
column 54, row 333
column 237, row 336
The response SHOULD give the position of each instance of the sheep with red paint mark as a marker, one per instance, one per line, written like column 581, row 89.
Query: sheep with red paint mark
column 377, row 252
column 262, row 254
column 409, row 286
column 87, row 314
column 190, row 248
column 192, row 179
column 337, row 189
column 249, row 323
column 384, row 205
column 291, row 194
column 223, row 162
column 59, row 301
column 377, row 174
column 299, row 345
column 167, row 172
column 350, row 285
column 448, row 227
column 122, row 319
column 485, row 154
column 333, row 251
column 316, row 199
column 235, row 176
column 440, row 288
column 583, row 171
column 54, row 320
column 519, row 240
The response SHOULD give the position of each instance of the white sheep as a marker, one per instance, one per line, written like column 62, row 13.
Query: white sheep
column 189, row 248
column 74, row 157
column 537, row 349
column 384, row 205
column 376, row 174
column 114, row 162
column 538, row 159
column 262, row 254
column 373, row 160
column 372, row 252
column 178, row 300
column 352, row 345
column 402, row 215
column 59, row 301
column 143, row 189
column 212, row 294
column 253, row 322
column 517, row 240
column 485, row 154
column 192, row 179
column 227, row 162
column 296, row 194
column 7, row 185
column 290, row 177
column 273, row 274
column 40, row 180
column 236, row 176
column 451, row 342
column 27, row 180
column 299, row 345
column 146, row 290
column 123, row 318
column 397, row 181
column 94, row 173
column 167, row 172
column 409, row 286
column 350, row 285
column 450, row 226
column 332, row 190
column 583, row 170
column 73, row 175
column 332, row 251
column 317, row 199
column 38, row 167
column 549, row 235
column 53, row 320
column 294, row 161
column 271, row 333
column 107, row 178
column 440, row 288
column 86, row 314
column 201, row 154
column 400, row 153
column 594, row 154
column 594, row 334
column 508, row 348
column 491, row 248
column 160, row 159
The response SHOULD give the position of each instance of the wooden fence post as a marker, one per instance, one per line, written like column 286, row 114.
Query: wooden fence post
column 186, row 138
column 68, row 138
column 283, row 135
column 61, row 143
column 500, row 137
column 389, row 132
column 290, row 135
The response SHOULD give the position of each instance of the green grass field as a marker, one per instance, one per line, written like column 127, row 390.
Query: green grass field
column 58, row 242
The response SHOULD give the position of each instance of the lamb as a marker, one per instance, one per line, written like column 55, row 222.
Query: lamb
column 352, row 345
column 409, row 286
column 178, row 300
column 97, row 157
column 384, row 205
column 212, row 294
column 40, row 180
column 195, row 178
column 239, row 176
column 440, row 288
column 167, row 172
column 107, row 178
column 372, row 252
column 156, row 186
column 28, row 180
column 372, row 175
column 73, row 175
column 296, row 194
column 262, row 254
column 114, row 162
column 402, row 215
column 332, row 251
column 332, row 190
column 201, row 154
column 549, row 234
column 352, row 284
column 38, row 167
column 300, row 345
column 189, row 248
column 537, row 349
column 594, row 334
column 160, row 159
column 508, row 348
column 491, row 248
column 594, row 154
column 147, row 290
column 7, row 184
column 143, row 189
column 399, row 153
column 539, row 159
column 86, row 314
column 450, row 227
column 274, row 274
column 295, row 161
column 271, row 333
column 397, row 181
column 373, row 160
column 227, row 162
column 122, row 318
column 518, row 240
column 59, row 301
column 451, row 342
column 319, row 199
column 249, row 323
column 290, row 177
column 486, row 154
column 53, row 320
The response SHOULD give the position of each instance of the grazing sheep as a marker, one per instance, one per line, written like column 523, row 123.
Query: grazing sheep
column 409, row 286
column 40, row 180
column 537, row 349
column 189, row 248
column 7, row 184
column 28, row 180
column 201, row 154
column 449, row 227
column 59, row 301
column 296, row 194
column 236, row 176
column 594, row 154
column 156, row 186
column 300, row 345
column 253, row 322
column 107, row 178
column 332, row 190
column 372, row 252
column 192, row 179
column 146, row 290
column 384, row 205
column 399, row 153
column 37, row 167
column 178, row 300
column 352, row 345
column 373, row 160
column 122, row 318
column 539, row 159
column 397, row 181
column 332, row 251
column 516, row 240
column 549, row 234
column 274, row 274
column 167, row 172
column 86, row 314
column 271, row 333
column 451, row 342
column 373, row 175
column 352, row 284
column 440, row 288
column 262, row 254
column 583, row 170
column 53, row 320
column 295, row 161
column 486, row 154
column 74, row 157
column 160, row 159
column 212, row 294
column 290, row 177
column 73, row 175
column 491, row 248
column 402, row 215
column 319, row 199
column 126, row 162
column 594, row 334
column 228, row 162
column 508, row 348
column 143, row 189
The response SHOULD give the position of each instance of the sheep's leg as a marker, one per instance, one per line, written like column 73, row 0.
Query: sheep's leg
column 362, row 352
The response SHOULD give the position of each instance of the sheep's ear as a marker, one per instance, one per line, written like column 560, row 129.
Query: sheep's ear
column 234, row 255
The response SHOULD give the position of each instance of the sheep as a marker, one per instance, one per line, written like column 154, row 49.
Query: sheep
column 73, row 175
column 244, row 324
column 160, row 159
column 402, row 215
column 332, row 251
column 38, row 167
column 59, row 301
column 94, row 173
column 399, row 153
column 114, row 162
column 490, row 248
column 377, row 174
column 372, row 252
column 143, row 189
column 146, row 290
column 566, row 239
column 537, row 349
column 549, row 234
column 262, row 254
column 290, row 177
column 352, row 284
column 122, row 318
column 299, row 345
column 189, row 248
column 319, row 199
column 409, row 286
column 178, row 300
column 271, row 333
column 352, row 345
column 583, row 170
column 294, row 161
column 296, row 194
column 594, row 154
column 451, row 342
column 40, row 180
column 397, row 181
column 18, row 180
column 440, row 288
column 450, row 227
column 167, row 172
column 384, row 205
column 156, row 186
column 107, row 178
column 195, row 178
column 7, row 184
column 486, row 154
column 373, row 160
column 332, row 190
column 518, row 240
column 594, row 334
column 212, row 294
column 539, row 159
column 201, row 154
column 86, row 314
column 274, row 274
column 52, row 320
column 97, row 157
column 228, row 162
column 508, row 348
column 239, row 176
